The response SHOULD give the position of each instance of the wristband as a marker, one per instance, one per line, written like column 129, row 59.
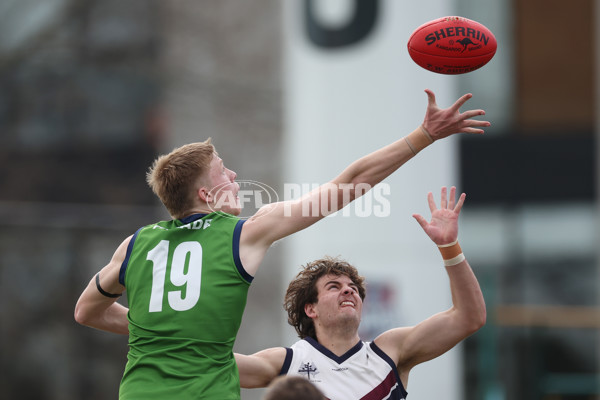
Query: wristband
column 418, row 139
column 426, row 132
column 451, row 253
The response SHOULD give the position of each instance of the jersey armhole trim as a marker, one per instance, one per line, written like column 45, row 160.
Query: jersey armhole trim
column 126, row 260
column 287, row 362
column 387, row 359
column 237, row 232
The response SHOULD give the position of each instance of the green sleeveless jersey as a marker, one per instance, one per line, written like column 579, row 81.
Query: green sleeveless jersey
column 187, row 291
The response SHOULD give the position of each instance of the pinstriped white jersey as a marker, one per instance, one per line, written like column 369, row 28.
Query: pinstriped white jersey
column 365, row 372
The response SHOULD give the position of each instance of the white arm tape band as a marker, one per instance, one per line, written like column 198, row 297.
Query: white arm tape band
column 456, row 260
column 448, row 244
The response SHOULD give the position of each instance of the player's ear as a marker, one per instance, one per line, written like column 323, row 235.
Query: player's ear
column 309, row 310
column 204, row 194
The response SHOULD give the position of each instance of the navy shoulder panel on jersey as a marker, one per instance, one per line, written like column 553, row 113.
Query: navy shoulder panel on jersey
column 287, row 362
column 126, row 260
column 237, row 232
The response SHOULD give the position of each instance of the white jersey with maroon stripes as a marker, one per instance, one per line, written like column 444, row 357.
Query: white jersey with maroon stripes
column 365, row 372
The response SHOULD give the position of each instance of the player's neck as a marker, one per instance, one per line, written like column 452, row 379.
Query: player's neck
column 199, row 209
column 336, row 343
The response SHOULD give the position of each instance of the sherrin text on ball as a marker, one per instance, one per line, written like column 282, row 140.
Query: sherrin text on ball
column 452, row 45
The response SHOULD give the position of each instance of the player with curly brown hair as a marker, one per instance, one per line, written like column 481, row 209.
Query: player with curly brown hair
column 324, row 304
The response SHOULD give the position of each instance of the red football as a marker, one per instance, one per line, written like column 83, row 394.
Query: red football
column 452, row 45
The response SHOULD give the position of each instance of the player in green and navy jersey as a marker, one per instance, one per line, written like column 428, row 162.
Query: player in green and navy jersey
column 200, row 301
column 187, row 279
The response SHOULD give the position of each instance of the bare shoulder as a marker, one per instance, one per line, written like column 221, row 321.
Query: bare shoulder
column 117, row 259
column 109, row 275
column 391, row 342
column 121, row 252
column 255, row 240
column 256, row 226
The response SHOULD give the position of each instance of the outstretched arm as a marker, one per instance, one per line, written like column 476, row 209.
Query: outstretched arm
column 438, row 124
column 441, row 332
column 278, row 220
column 259, row 369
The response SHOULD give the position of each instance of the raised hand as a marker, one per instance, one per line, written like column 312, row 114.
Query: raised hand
column 443, row 227
column 441, row 123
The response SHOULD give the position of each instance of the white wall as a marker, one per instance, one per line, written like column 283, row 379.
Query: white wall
column 342, row 104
